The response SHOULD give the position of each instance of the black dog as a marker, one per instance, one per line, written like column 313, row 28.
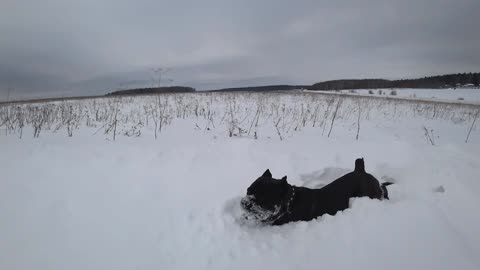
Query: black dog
column 273, row 201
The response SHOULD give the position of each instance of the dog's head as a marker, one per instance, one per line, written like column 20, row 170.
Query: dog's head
column 265, row 196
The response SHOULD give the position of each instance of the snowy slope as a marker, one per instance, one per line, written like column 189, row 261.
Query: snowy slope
column 88, row 202
column 470, row 95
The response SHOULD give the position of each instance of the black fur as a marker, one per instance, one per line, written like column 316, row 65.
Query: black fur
column 288, row 203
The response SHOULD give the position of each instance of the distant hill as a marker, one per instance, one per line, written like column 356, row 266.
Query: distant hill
column 350, row 84
column 434, row 82
column 152, row 90
column 262, row 88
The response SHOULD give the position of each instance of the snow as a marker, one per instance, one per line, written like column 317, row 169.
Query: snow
column 88, row 202
column 463, row 95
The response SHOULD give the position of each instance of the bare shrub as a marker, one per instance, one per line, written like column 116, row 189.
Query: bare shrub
column 429, row 135
column 236, row 114
column 471, row 127
column 339, row 103
column 358, row 119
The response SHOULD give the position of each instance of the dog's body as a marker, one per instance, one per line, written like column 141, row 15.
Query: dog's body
column 285, row 203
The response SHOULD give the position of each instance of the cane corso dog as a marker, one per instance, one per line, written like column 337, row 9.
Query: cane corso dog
column 274, row 201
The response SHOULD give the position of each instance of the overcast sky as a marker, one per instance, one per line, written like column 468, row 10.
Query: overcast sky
column 61, row 47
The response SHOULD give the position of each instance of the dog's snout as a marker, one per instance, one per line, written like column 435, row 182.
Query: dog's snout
column 247, row 201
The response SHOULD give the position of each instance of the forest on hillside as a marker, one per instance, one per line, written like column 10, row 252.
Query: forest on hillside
column 433, row 82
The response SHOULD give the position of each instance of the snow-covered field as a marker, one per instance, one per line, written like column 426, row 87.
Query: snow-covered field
column 96, row 190
column 463, row 95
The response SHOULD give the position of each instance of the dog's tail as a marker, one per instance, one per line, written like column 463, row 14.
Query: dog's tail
column 359, row 165
column 385, row 190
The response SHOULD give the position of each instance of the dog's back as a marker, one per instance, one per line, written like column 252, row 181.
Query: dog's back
column 334, row 197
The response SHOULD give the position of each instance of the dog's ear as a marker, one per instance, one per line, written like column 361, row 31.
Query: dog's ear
column 267, row 174
column 283, row 183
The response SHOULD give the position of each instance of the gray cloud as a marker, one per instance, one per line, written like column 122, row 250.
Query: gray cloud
column 87, row 47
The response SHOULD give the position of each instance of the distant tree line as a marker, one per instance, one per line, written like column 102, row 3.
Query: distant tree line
column 262, row 88
column 350, row 84
column 434, row 82
column 153, row 90
column 443, row 81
